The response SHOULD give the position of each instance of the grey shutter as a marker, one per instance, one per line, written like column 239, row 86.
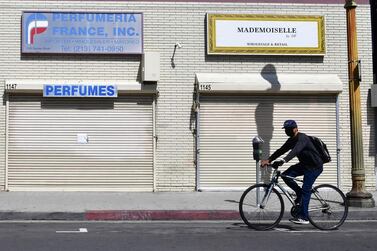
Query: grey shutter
column 228, row 125
column 44, row 153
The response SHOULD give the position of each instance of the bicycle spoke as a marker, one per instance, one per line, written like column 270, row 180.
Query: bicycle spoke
column 257, row 216
column 328, row 207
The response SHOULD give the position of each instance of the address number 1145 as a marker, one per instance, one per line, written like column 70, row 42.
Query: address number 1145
column 207, row 87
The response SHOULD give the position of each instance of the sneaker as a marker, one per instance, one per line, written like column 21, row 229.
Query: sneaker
column 299, row 221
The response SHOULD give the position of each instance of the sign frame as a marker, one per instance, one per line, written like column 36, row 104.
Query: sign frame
column 112, row 50
column 213, row 49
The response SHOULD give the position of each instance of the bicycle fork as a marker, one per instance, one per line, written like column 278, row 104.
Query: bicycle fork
column 266, row 196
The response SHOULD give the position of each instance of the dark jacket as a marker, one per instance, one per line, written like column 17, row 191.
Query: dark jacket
column 301, row 147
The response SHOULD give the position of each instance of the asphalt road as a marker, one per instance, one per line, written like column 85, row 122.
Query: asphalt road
column 182, row 236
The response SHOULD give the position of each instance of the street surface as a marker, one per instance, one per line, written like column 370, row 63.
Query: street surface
column 182, row 236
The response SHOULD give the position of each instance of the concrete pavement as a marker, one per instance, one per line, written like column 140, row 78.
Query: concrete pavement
column 132, row 206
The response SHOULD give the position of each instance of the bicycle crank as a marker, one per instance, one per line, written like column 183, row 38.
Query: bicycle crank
column 295, row 211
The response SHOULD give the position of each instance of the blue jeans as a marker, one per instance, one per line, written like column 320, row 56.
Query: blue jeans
column 310, row 175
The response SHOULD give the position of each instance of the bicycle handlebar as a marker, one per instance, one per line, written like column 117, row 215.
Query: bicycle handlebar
column 271, row 165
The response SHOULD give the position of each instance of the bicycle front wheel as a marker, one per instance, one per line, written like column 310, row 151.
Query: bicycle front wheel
column 261, row 208
column 328, row 207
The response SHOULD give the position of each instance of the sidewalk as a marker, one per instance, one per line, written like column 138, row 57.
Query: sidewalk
column 133, row 206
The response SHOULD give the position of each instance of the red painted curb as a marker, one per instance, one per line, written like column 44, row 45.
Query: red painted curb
column 162, row 215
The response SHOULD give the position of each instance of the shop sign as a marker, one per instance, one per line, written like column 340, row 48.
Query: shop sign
column 82, row 33
column 265, row 34
column 75, row 90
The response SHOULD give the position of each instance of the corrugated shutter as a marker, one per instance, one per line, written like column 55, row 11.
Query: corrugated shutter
column 228, row 125
column 44, row 152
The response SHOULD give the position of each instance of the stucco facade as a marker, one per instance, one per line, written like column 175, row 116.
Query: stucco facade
column 169, row 22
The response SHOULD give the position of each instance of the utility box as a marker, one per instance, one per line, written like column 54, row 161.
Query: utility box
column 373, row 94
column 150, row 67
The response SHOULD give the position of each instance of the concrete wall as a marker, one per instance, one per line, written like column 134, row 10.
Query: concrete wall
column 166, row 23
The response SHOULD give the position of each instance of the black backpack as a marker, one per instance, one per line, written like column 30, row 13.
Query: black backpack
column 321, row 148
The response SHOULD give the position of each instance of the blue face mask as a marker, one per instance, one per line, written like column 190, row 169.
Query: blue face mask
column 289, row 132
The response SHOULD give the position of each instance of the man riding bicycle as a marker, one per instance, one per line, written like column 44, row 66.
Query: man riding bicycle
column 310, row 166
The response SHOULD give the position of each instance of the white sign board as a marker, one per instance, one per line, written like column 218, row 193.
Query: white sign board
column 264, row 34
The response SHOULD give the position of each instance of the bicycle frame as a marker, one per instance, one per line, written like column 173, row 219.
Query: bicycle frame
column 275, row 183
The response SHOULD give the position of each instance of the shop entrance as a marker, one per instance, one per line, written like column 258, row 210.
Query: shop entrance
column 229, row 123
column 80, row 144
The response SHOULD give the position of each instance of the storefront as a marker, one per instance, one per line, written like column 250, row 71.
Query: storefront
column 168, row 95
column 87, row 137
column 235, row 108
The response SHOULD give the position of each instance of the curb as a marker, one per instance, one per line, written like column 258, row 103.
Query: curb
column 131, row 215
column 152, row 215
column 68, row 216
column 124, row 215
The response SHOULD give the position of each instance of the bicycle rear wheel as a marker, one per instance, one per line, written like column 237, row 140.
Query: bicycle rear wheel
column 259, row 209
column 328, row 208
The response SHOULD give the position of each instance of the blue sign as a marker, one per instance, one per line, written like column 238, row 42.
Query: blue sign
column 82, row 33
column 67, row 90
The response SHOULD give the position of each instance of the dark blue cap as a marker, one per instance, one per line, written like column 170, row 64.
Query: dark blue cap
column 289, row 124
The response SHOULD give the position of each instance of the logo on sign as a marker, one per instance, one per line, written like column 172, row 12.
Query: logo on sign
column 36, row 24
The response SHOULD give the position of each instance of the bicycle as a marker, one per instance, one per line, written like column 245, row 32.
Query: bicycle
column 262, row 207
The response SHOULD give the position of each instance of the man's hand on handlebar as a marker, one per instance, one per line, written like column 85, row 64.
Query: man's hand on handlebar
column 264, row 162
column 275, row 164
column 278, row 163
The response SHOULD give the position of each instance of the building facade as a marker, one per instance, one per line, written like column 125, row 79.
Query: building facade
column 373, row 7
column 178, row 111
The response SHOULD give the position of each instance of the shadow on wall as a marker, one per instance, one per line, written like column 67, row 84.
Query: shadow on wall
column 264, row 116
column 371, row 121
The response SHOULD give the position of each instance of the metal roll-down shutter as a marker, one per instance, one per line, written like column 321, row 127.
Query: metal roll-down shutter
column 229, row 123
column 45, row 151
